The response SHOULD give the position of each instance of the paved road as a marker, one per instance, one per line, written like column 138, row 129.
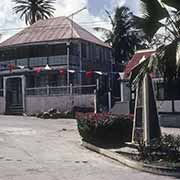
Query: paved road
column 34, row 149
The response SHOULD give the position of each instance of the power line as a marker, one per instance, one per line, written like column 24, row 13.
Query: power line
column 53, row 26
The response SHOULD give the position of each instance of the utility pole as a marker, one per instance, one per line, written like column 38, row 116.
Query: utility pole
column 69, row 43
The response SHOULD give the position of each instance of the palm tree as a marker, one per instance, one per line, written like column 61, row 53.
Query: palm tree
column 164, row 17
column 123, row 37
column 158, row 18
column 33, row 10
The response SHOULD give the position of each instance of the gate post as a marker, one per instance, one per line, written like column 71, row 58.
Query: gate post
column 109, row 101
column 95, row 102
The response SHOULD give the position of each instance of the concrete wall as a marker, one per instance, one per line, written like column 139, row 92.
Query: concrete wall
column 177, row 106
column 170, row 120
column 166, row 106
column 125, row 91
column 35, row 104
column 120, row 108
column 2, row 105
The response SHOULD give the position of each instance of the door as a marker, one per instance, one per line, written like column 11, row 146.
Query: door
column 14, row 95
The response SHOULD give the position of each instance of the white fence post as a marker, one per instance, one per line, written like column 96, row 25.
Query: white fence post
column 95, row 102
column 109, row 100
column 122, row 90
column 71, row 89
column 71, row 97
column 97, row 84
column 47, row 90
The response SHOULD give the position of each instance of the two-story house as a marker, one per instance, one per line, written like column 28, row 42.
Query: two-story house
column 51, row 53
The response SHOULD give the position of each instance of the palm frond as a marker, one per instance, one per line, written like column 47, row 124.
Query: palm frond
column 148, row 25
column 153, row 12
column 143, row 68
column 153, row 9
column 172, row 3
column 167, row 62
column 110, row 17
column 33, row 10
column 101, row 29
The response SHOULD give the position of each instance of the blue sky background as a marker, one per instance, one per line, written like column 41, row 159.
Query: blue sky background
column 92, row 17
column 96, row 7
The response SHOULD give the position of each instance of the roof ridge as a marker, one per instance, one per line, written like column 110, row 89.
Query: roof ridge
column 73, row 29
column 87, row 32
column 145, row 50
column 43, row 30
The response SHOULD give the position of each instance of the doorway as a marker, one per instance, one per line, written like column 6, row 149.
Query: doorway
column 14, row 95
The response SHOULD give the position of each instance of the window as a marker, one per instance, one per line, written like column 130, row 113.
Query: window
column 22, row 62
column 53, row 79
column 21, row 52
column 101, row 54
column 1, row 86
column 57, row 60
column 74, row 49
column 97, row 52
column 41, row 80
column 30, row 81
column 1, row 83
column 83, row 50
column 167, row 91
column 38, row 61
column 57, row 49
column 94, row 52
column 38, row 51
column 90, row 51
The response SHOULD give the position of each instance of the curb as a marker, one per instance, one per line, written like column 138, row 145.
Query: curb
column 159, row 170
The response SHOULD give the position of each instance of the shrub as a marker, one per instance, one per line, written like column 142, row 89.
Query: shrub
column 104, row 128
column 166, row 148
column 54, row 114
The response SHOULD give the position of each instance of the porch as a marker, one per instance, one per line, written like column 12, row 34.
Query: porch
column 17, row 96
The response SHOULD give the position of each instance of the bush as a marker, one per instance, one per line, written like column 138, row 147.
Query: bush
column 82, row 109
column 167, row 148
column 104, row 128
column 54, row 114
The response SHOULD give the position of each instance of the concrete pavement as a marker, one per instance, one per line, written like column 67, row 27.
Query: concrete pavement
column 32, row 148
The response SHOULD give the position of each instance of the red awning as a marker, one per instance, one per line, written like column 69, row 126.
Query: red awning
column 136, row 59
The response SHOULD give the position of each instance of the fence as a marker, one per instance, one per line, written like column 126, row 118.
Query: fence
column 60, row 90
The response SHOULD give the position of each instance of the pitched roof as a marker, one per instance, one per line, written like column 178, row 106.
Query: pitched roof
column 53, row 29
column 138, row 56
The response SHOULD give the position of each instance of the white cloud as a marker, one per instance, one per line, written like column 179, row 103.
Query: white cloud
column 132, row 4
column 84, row 18
column 67, row 7
column 9, row 20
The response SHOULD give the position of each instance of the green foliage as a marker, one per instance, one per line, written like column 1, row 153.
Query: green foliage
column 156, row 16
column 166, row 148
column 33, row 10
column 152, row 12
column 172, row 3
column 56, row 115
column 104, row 128
column 123, row 37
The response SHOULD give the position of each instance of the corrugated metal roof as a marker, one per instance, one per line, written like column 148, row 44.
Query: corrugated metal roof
column 136, row 59
column 53, row 29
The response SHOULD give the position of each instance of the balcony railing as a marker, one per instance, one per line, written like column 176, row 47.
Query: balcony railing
column 60, row 90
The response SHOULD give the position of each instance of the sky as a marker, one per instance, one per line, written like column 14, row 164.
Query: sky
column 93, row 16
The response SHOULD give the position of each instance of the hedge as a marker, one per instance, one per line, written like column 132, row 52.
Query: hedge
column 104, row 128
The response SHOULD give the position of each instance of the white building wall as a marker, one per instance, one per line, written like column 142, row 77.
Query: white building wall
column 125, row 91
column 36, row 104
column 2, row 105
column 164, row 106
